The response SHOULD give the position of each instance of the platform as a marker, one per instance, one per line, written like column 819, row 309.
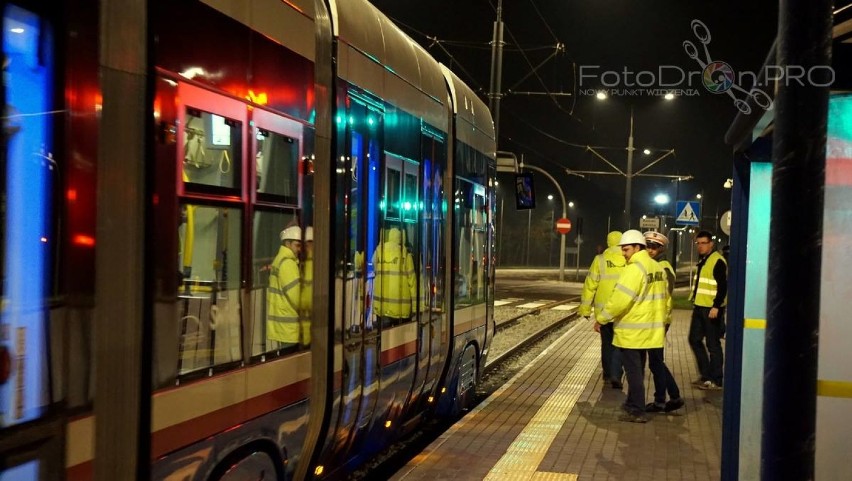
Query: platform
column 557, row 420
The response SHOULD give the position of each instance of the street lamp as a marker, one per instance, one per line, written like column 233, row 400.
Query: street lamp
column 700, row 208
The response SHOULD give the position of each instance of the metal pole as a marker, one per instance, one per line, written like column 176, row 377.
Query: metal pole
column 795, row 234
column 122, row 355
column 494, row 93
column 577, row 270
column 564, row 214
column 529, row 223
column 500, row 237
column 629, row 173
column 550, row 245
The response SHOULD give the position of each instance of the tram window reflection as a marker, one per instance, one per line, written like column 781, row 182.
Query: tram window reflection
column 209, row 300
column 276, row 256
column 212, row 147
column 276, row 164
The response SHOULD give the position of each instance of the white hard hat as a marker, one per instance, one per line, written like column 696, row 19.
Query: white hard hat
column 632, row 236
column 309, row 233
column 656, row 238
column 293, row 232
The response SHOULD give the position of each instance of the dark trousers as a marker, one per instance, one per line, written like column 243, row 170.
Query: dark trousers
column 664, row 382
column 634, row 366
column 610, row 355
column 705, row 330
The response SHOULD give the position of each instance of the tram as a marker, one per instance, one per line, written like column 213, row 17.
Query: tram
column 158, row 159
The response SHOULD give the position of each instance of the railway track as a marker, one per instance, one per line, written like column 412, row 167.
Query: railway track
column 495, row 361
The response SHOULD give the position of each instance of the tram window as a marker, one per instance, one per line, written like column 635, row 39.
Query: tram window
column 393, row 189
column 277, row 162
column 410, row 204
column 209, row 300
column 28, row 177
column 470, row 230
column 271, row 298
column 212, row 147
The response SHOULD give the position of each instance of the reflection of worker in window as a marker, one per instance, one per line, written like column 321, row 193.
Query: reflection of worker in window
column 395, row 283
column 282, row 322
column 307, row 302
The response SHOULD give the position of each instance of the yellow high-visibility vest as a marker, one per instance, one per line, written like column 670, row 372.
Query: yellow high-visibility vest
column 638, row 305
column 601, row 280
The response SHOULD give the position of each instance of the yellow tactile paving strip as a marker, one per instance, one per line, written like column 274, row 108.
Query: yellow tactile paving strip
column 529, row 448
column 556, row 420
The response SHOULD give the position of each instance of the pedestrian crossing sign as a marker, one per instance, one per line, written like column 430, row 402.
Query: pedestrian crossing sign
column 687, row 212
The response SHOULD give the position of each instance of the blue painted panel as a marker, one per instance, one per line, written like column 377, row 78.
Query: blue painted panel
column 30, row 171
column 757, row 258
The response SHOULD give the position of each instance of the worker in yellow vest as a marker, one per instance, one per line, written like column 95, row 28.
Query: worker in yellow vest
column 283, row 295
column 600, row 281
column 656, row 244
column 306, row 299
column 395, row 284
column 709, row 296
column 638, row 310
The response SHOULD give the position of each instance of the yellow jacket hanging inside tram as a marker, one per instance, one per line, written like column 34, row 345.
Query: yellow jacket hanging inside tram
column 638, row 305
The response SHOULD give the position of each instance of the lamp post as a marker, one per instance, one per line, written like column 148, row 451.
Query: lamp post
column 564, row 214
column 550, row 236
column 628, row 173
column 579, row 241
column 700, row 209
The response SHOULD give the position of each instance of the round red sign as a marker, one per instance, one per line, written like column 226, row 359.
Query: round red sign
column 563, row 225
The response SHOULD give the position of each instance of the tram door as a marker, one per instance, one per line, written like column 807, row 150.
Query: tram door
column 361, row 349
column 30, row 435
column 432, row 339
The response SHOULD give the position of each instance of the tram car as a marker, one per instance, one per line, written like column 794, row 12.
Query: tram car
column 300, row 208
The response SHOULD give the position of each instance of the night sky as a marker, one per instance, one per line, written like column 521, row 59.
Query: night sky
column 550, row 131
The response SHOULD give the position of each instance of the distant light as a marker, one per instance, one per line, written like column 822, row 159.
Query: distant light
column 669, row 96
column 496, row 182
column 661, row 198
column 601, row 95
column 644, row 217
column 570, row 204
column 388, row 424
column 318, row 470
column 647, row 151
column 17, row 30
column 728, row 183
column 193, row 72
column 549, row 196
column 83, row 240
column 697, row 196
column 44, row 239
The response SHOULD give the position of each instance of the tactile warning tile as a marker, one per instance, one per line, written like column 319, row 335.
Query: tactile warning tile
column 590, row 444
column 526, row 452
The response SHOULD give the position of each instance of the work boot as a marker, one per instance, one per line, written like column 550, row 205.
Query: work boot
column 673, row 405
